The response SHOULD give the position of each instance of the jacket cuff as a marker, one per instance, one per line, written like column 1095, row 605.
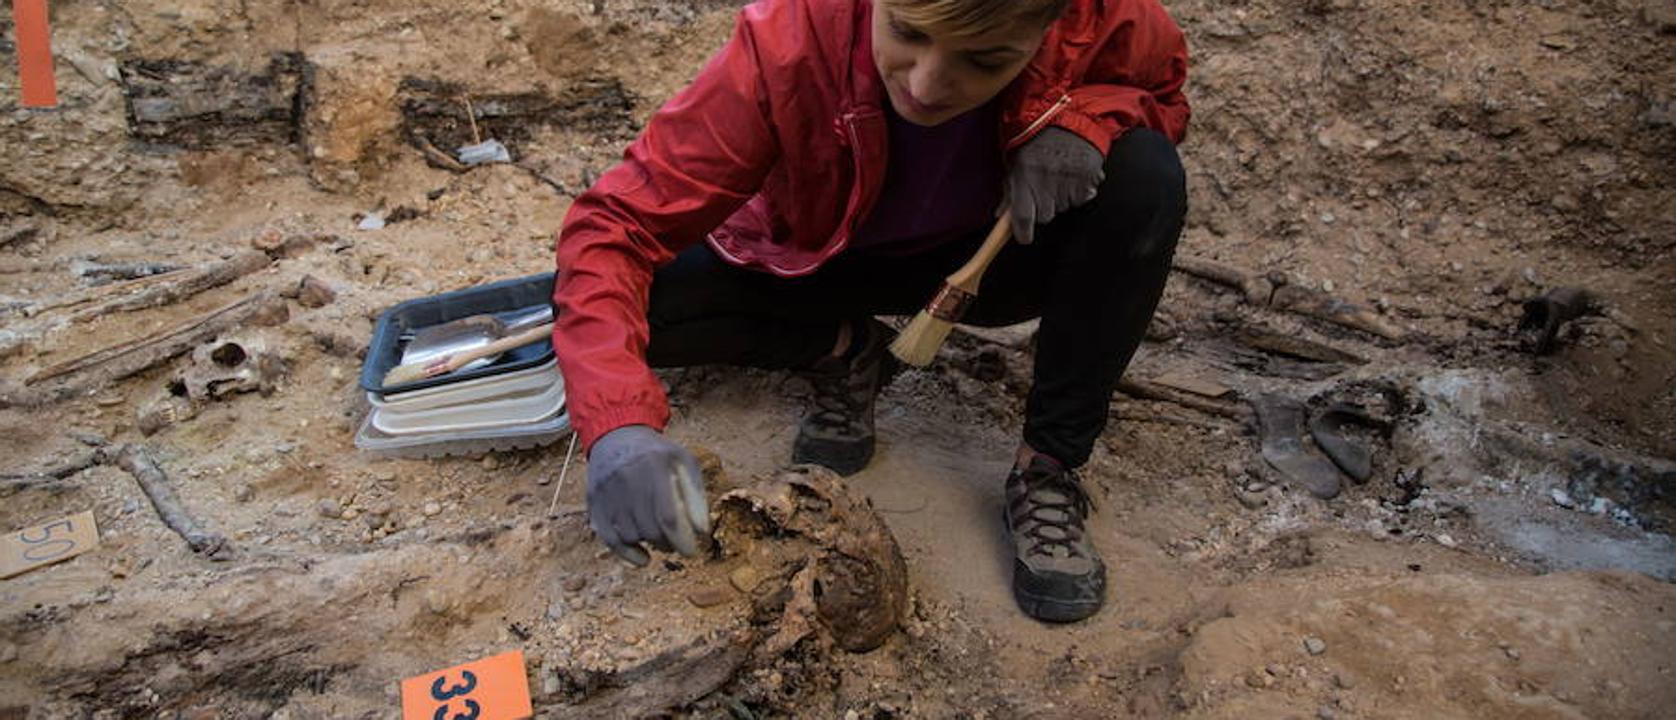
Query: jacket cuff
column 610, row 418
column 1086, row 127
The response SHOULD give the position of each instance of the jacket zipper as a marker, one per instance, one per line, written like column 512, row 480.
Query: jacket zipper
column 1064, row 99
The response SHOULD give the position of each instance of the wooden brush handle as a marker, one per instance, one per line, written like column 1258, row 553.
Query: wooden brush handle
column 454, row 361
column 967, row 277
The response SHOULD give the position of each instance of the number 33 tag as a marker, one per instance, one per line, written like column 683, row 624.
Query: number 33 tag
column 494, row 688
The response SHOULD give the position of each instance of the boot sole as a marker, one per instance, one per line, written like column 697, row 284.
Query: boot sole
column 845, row 459
column 1054, row 610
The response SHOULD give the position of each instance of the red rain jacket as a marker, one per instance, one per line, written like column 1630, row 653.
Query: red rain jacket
column 776, row 152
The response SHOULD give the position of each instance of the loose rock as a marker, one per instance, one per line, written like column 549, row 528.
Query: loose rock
column 1315, row 645
column 709, row 596
column 744, row 578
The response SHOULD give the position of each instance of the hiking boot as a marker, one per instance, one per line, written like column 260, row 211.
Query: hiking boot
column 837, row 433
column 1057, row 574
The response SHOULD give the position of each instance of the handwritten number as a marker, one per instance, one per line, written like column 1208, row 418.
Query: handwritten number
column 46, row 532
column 442, row 712
column 48, row 551
column 469, row 685
column 45, row 547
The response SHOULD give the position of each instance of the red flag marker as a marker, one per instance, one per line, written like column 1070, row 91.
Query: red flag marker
column 34, row 54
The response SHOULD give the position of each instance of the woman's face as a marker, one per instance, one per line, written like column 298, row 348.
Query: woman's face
column 931, row 79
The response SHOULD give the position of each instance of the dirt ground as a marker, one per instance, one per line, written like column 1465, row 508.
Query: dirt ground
column 1435, row 164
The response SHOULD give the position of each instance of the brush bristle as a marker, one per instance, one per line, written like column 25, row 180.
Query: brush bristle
column 918, row 343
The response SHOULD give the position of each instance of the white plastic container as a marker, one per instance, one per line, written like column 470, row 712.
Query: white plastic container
column 504, row 411
column 465, row 442
column 484, row 388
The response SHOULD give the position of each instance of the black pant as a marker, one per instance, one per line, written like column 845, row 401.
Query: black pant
column 1094, row 276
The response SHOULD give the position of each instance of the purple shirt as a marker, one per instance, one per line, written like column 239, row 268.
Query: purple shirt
column 942, row 183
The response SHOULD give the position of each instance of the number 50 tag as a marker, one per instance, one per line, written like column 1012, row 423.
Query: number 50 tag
column 58, row 540
column 493, row 688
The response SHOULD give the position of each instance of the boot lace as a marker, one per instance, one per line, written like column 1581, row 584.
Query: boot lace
column 1050, row 512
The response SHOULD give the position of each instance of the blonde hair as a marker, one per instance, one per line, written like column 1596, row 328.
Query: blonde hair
column 970, row 18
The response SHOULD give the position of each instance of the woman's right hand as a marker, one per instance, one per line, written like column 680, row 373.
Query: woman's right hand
column 642, row 488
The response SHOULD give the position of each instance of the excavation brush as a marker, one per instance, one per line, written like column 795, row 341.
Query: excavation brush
column 919, row 342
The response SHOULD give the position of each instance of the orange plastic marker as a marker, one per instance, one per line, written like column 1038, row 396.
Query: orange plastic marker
column 494, row 688
column 34, row 54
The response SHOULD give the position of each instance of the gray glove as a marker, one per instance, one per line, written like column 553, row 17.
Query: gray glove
column 644, row 488
column 1056, row 171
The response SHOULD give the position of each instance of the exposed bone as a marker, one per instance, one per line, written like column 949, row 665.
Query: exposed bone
column 1255, row 289
column 853, row 558
column 94, row 293
column 230, row 366
column 210, row 276
column 135, row 460
column 14, row 482
column 1146, row 390
column 162, row 411
column 1316, row 304
column 103, row 273
column 437, row 158
column 1281, row 295
column 125, row 359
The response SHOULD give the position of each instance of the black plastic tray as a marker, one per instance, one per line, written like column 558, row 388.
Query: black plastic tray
column 506, row 297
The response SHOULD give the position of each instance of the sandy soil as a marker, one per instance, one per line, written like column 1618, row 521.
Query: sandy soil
column 1511, row 556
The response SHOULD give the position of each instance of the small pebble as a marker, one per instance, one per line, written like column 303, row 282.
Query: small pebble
column 384, row 475
column 1315, row 645
column 432, row 508
column 244, row 493
column 1562, row 498
column 709, row 596
column 350, row 514
column 1251, row 500
column 744, row 578
column 490, row 462
column 329, row 508
column 1326, row 712
column 575, row 583
column 1445, row 540
column 1344, row 680
column 8, row 652
column 129, row 507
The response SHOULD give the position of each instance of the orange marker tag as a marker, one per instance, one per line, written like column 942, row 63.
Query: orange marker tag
column 34, row 54
column 494, row 688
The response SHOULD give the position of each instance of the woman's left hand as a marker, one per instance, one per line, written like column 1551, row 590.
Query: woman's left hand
column 1054, row 172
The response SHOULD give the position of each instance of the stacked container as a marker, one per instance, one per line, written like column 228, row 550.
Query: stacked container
column 516, row 401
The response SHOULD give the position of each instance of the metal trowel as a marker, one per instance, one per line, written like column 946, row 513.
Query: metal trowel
column 435, row 341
